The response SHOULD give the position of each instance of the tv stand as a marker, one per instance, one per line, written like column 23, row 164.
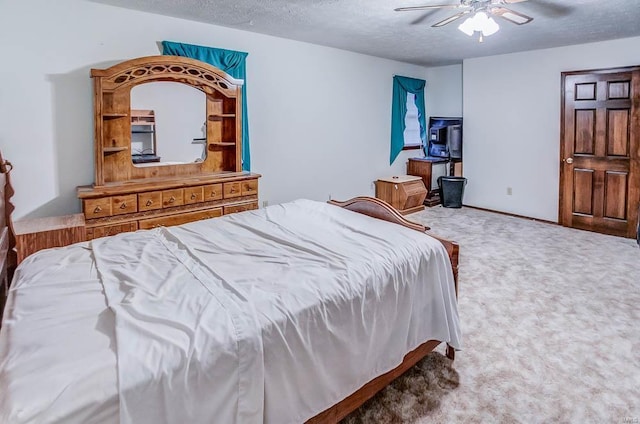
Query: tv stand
column 422, row 167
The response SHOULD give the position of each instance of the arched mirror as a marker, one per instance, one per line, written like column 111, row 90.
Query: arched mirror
column 168, row 124
column 163, row 117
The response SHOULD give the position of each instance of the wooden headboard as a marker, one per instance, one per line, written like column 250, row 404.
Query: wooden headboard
column 5, row 234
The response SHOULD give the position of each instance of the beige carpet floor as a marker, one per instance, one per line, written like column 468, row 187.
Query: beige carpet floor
column 551, row 329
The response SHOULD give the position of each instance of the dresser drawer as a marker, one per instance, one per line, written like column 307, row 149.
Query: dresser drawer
column 149, row 201
column 249, row 187
column 124, row 204
column 232, row 190
column 109, row 230
column 193, row 195
column 182, row 218
column 212, row 192
column 97, row 208
column 171, row 198
column 240, row 208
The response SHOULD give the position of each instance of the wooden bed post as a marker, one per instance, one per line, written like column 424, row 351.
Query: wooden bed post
column 7, row 239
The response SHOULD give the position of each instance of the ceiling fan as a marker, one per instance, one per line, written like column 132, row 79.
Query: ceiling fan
column 482, row 10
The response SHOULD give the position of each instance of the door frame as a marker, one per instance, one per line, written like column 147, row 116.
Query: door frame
column 633, row 203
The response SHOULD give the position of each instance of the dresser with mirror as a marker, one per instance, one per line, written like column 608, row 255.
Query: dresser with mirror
column 168, row 146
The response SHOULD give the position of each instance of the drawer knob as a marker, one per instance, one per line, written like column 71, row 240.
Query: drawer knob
column 193, row 196
column 123, row 205
column 97, row 209
column 149, row 202
column 213, row 193
column 172, row 199
column 233, row 189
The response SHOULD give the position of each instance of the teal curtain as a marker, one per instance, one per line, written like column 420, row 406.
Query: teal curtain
column 231, row 62
column 401, row 87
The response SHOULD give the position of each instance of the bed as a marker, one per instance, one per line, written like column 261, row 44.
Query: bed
column 293, row 313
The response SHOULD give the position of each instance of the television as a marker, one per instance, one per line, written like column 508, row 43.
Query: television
column 445, row 138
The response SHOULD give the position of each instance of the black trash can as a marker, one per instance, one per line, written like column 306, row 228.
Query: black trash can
column 451, row 191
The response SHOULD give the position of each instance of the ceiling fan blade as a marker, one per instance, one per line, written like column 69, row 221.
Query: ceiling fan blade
column 423, row 17
column 451, row 19
column 512, row 1
column 511, row 15
column 550, row 9
column 441, row 6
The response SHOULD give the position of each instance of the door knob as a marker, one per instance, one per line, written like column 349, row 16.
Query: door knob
column 569, row 160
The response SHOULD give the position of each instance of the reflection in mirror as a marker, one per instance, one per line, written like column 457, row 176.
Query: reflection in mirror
column 168, row 124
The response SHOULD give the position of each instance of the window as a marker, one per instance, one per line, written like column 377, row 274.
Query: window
column 407, row 115
column 411, row 133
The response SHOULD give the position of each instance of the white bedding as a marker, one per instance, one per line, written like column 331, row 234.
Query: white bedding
column 265, row 316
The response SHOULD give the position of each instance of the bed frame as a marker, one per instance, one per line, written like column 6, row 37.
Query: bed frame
column 365, row 205
column 379, row 209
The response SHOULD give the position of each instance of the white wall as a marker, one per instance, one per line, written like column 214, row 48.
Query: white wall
column 444, row 91
column 512, row 123
column 319, row 117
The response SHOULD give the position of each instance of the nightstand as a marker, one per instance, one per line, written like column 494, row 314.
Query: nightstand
column 36, row 234
column 406, row 193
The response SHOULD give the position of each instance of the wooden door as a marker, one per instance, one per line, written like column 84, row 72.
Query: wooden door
column 600, row 151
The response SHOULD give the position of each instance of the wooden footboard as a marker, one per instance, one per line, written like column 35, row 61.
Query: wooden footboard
column 379, row 209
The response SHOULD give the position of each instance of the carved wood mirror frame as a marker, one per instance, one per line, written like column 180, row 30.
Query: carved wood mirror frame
column 112, row 118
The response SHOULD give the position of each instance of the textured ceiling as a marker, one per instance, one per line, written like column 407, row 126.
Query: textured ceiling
column 372, row 27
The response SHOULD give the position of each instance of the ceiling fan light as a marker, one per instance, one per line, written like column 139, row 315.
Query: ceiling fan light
column 479, row 21
column 467, row 27
column 490, row 27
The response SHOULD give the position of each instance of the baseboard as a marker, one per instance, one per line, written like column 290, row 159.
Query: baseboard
column 512, row 214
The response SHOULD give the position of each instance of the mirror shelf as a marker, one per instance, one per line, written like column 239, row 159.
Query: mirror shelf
column 118, row 121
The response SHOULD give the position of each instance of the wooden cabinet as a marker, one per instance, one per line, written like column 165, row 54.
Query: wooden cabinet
column 128, row 194
column 36, row 234
column 117, row 209
column 423, row 168
column 405, row 193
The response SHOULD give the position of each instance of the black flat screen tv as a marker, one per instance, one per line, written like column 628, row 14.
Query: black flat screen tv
column 445, row 138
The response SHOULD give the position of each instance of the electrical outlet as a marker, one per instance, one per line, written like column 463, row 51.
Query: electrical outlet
column 509, row 191
column 265, row 203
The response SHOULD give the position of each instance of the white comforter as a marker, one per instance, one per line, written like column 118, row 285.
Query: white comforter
column 266, row 316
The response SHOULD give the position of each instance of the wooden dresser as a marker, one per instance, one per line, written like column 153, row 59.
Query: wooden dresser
column 112, row 210
column 128, row 195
